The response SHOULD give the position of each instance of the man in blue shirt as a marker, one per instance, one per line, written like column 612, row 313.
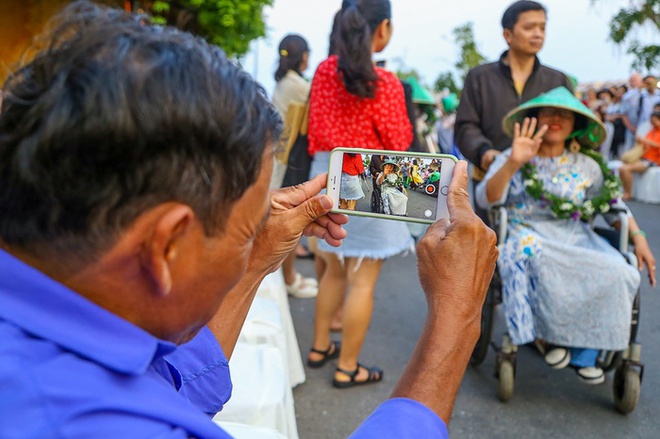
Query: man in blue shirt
column 137, row 225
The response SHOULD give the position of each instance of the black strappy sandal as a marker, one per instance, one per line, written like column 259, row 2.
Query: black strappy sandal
column 328, row 354
column 375, row 375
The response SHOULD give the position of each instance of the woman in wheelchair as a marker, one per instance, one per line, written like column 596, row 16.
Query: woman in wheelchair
column 561, row 282
column 395, row 199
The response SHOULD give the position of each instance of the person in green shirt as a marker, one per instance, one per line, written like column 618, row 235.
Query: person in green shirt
column 435, row 176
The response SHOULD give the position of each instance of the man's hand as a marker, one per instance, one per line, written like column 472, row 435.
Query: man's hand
column 295, row 211
column 456, row 257
column 488, row 157
column 456, row 260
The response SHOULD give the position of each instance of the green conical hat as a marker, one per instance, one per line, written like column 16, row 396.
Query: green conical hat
column 420, row 95
column 450, row 102
column 390, row 162
column 591, row 131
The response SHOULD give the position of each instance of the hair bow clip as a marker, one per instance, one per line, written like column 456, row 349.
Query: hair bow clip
column 284, row 52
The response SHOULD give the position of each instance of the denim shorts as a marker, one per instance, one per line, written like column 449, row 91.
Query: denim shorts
column 369, row 238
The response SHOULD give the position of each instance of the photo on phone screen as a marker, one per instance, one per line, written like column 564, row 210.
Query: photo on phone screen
column 400, row 186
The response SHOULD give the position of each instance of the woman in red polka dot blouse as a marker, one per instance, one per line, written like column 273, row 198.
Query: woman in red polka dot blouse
column 355, row 104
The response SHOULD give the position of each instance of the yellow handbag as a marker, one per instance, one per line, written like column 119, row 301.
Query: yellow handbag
column 295, row 124
column 635, row 153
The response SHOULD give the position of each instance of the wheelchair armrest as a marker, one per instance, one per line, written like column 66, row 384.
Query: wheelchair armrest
column 623, row 230
column 618, row 238
column 498, row 217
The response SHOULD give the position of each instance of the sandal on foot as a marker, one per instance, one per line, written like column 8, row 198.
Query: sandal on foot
column 303, row 252
column 303, row 287
column 328, row 354
column 374, row 375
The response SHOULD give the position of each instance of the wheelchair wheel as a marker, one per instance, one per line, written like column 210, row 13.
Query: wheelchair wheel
column 634, row 324
column 613, row 360
column 505, row 374
column 487, row 320
column 376, row 202
column 627, row 387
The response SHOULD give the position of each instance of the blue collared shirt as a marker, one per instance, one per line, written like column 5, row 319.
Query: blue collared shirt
column 69, row 368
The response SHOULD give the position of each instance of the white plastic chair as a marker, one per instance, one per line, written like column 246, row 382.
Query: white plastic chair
column 273, row 288
column 261, row 394
column 646, row 186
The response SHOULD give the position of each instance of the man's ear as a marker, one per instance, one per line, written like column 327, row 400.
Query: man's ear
column 162, row 248
column 506, row 33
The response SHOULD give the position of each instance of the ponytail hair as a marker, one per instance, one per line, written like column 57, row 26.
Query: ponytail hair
column 334, row 35
column 358, row 21
column 291, row 50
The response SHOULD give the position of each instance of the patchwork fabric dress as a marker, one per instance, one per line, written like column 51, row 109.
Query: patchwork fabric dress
column 561, row 282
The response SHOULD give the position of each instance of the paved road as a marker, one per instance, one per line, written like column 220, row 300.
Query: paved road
column 546, row 404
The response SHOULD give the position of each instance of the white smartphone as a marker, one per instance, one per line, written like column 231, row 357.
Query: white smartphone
column 404, row 186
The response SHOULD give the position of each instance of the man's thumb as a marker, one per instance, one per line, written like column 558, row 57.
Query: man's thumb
column 310, row 210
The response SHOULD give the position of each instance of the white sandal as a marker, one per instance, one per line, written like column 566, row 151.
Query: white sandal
column 303, row 287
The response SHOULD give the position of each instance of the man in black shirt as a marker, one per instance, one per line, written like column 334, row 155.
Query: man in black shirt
column 492, row 90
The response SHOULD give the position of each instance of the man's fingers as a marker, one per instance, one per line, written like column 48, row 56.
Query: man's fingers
column 316, row 211
column 333, row 228
column 316, row 207
column 438, row 230
column 458, row 200
column 296, row 195
column 516, row 130
column 338, row 218
column 315, row 229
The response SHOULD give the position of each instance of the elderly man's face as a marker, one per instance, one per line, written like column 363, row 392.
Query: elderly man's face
column 214, row 265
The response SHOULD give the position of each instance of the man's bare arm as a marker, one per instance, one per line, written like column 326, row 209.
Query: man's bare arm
column 456, row 262
column 294, row 211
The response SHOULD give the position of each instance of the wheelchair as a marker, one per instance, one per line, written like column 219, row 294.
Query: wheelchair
column 376, row 198
column 628, row 370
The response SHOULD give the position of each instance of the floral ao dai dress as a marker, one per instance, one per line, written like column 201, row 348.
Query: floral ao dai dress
column 395, row 202
column 561, row 282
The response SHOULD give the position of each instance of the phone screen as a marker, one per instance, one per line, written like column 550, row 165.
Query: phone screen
column 391, row 184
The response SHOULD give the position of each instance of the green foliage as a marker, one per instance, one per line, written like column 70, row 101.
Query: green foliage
column 403, row 73
column 622, row 30
column 229, row 24
column 445, row 80
column 470, row 56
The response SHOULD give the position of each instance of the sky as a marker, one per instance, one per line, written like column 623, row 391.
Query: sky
column 576, row 39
